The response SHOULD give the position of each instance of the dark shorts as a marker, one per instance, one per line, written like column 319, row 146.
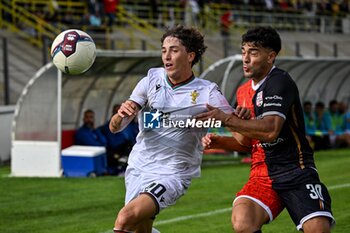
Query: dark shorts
column 307, row 200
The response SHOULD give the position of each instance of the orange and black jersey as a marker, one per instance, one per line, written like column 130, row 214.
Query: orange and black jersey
column 244, row 95
column 290, row 153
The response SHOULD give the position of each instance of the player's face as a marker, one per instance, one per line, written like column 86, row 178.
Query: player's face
column 257, row 61
column 308, row 108
column 89, row 119
column 177, row 61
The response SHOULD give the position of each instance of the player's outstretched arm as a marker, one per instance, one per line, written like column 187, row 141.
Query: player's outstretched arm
column 266, row 129
column 126, row 113
column 213, row 141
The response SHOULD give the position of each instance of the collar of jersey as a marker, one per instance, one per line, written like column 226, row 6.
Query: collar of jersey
column 256, row 87
column 177, row 85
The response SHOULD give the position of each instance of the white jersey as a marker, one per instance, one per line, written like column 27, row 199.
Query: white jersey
column 172, row 150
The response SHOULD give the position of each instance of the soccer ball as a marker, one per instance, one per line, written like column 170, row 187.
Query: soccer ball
column 73, row 51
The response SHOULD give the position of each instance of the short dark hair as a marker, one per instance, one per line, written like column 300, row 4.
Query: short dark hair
column 189, row 37
column 307, row 103
column 265, row 37
column 320, row 105
column 332, row 102
column 88, row 111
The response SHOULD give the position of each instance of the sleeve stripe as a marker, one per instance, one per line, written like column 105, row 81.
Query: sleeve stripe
column 273, row 113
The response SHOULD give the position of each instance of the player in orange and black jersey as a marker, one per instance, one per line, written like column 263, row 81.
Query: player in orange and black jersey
column 278, row 96
column 283, row 173
column 259, row 186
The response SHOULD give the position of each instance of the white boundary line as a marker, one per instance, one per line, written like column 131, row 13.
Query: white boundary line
column 214, row 212
column 183, row 218
column 339, row 186
column 219, row 211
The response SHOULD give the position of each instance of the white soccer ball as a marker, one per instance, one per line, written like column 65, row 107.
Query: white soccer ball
column 73, row 51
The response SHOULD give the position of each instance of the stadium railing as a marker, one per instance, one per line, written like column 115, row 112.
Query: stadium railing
column 137, row 21
column 243, row 16
column 29, row 26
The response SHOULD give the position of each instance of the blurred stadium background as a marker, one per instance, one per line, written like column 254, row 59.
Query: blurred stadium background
column 315, row 48
column 29, row 26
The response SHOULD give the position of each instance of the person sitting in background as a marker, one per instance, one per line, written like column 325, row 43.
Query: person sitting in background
column 118, row 145
column 335, row 117
column 87, row 135
column 338, row 137
column 323, row 127
column 310, row 127
column 343, row 109
column 309, row 118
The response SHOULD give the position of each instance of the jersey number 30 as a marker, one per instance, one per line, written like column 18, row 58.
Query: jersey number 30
column 156, row 189
column 315, row 191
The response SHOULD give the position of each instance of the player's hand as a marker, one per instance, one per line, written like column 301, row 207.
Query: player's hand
column 212, row 113
column 206, row 140
column 209, row 140
column 128, row 108
column 242, row 112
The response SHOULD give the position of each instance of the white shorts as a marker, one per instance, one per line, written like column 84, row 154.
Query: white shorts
column 165, row 190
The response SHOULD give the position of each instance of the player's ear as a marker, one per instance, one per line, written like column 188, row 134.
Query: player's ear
column 191, row 56
column 271, row 57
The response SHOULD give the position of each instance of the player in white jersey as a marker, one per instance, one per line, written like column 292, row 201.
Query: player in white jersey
column 168, row 151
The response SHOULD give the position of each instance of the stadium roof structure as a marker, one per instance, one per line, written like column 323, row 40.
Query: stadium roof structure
column 318, row 79
column 110, row 81
column 53, row 102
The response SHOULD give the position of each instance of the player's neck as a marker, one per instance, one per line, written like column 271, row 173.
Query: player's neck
column 257, row 80
column 174, row 81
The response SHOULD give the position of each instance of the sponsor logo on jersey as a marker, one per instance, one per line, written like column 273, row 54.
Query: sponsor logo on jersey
column 259, row 98
column 272, row 104
column 269, row 144
column 275, row 101
column 275, row 97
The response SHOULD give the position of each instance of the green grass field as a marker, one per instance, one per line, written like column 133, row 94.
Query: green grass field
column 83, row 205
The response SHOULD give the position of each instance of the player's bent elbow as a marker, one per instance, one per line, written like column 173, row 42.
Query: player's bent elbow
column 112, row 128
column 273, row 126
column 115, row 124
column 271, row 136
